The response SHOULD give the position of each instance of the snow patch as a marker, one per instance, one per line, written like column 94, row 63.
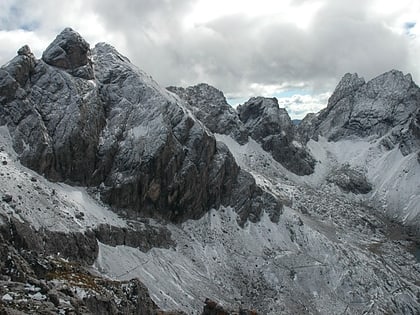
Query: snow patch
column 7, row 297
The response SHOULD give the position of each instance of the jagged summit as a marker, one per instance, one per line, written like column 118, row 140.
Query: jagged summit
column 347, row 86
column 366, row 109
column 259, row 118
column 71, row 52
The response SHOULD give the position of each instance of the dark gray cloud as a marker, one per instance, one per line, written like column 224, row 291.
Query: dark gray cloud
column 242, row 54
column 236, row 51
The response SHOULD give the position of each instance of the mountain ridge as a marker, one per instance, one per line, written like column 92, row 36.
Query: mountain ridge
column 199, row 200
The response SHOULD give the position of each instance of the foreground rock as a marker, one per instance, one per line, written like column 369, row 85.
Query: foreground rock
column 33, row 283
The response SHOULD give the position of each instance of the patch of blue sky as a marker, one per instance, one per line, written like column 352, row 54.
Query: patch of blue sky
column 290, row 93
column 408, row 26
column 234, row 101
column 13, row 19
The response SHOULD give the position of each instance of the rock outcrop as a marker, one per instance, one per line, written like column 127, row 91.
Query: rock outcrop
column 349, row 179
column 32, row 283
column 138, row 235
column 272, row 127
column 212, row 308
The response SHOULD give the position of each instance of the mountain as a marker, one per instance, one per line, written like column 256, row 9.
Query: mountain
column 370, row 131
column 120, row 196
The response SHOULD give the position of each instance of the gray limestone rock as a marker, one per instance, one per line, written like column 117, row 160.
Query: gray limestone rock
column 15, row 75
column 79, row 246
column 141, row 236
column 122, row 132
column 71, row 52
column 209, row 105
column 272, row 127
column 142, row 150
column 358, row 109
column 350, row 180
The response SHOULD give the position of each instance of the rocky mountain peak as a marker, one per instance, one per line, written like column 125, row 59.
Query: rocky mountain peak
column 122, row 134
column 209, row 105
column 71, row 52
column 265, row 117
column 271, row 126
column 372, row 109
column 103, row 48
column 347, row 85
column 15, row 74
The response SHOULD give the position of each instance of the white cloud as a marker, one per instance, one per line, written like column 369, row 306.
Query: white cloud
column 244, row 48
column 299, row 105
column 11, row 41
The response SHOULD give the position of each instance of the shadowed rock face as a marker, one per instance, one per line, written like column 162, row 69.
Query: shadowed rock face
column 272, row 127
column 121, row 132
column 71, row 52
column 81, row 247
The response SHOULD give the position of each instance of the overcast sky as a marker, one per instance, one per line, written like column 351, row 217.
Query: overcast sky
column 296, row 50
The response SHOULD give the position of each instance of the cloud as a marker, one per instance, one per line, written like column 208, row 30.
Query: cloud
column 241, row 48
column 299, row 105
